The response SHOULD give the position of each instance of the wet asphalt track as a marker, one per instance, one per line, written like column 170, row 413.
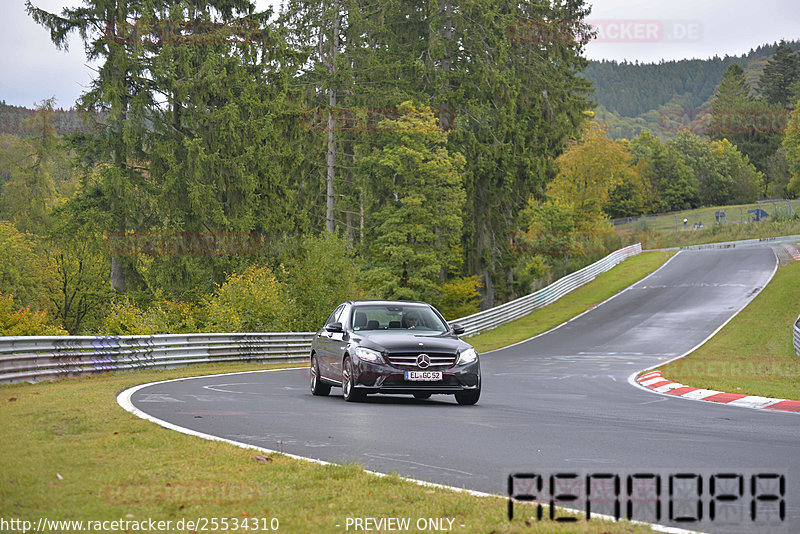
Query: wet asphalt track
column 559, row 402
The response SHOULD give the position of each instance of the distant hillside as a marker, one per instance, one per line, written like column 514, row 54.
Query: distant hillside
column 16, row 120
column 633, row 96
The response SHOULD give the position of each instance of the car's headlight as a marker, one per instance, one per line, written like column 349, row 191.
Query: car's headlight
column 468, row 356
column 368, row 355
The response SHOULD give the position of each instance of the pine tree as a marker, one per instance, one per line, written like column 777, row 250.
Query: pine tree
column 517, row 100
column 30, row 191
column 416, row 211
column 754, row 126
column 115, row 91
column 791, row 143
column 216, row 149
column 733, row 90
column 780, row 73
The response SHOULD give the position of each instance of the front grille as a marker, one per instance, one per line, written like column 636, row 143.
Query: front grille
column 407, row 360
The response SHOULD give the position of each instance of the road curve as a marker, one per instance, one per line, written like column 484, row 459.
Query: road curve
column 557, row 402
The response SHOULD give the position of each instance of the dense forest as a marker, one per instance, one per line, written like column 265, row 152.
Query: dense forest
column 628, row 96
column 632, row 97
column 247, row 171
column 19, row 120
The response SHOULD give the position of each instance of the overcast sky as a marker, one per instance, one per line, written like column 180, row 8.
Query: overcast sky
column 644, row 30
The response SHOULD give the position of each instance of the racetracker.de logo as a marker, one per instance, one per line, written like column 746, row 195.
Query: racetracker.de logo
column 604, row 31
column 728, row 122
column 362, row 119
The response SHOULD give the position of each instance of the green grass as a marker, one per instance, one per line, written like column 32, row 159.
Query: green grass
column 717, row 234
column 735, row 215
column 68, row 451
column 753, row 354
column 601, row 288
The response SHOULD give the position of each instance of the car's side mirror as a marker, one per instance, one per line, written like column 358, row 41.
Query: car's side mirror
column 457, row 329
column 334, row 327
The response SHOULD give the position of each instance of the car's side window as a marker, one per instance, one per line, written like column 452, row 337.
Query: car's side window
column 336, row 315
column 342, row 315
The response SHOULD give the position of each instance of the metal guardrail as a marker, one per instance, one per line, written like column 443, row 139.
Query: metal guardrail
column 758, row 242
column 515, row 309
column 796, row 336
column 29, row 358
column 32, row 358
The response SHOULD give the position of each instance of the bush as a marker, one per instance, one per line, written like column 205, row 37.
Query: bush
column 321, row 275
column 14, row 322
column 161, row 317
column 251, row 301
column 23, row 273
column 460, row 297
column 79, row 288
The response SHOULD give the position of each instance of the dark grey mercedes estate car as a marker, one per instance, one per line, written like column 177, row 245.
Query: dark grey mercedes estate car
column 393, row 347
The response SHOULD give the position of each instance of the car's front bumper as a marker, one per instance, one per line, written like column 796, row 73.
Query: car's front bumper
column 379, row 377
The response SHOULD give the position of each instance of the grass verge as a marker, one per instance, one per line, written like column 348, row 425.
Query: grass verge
column 734, row 215
column 601, row 288
column 717, row 234
column 69, row 452
column 753, row 354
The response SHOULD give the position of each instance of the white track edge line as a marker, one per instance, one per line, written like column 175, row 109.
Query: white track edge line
column 124, row 400
column 632, row 378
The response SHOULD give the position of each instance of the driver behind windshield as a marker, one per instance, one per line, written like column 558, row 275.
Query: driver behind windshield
column 410, row 320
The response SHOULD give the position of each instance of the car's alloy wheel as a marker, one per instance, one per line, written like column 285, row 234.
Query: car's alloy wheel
column 317, row 386
column 351, row 394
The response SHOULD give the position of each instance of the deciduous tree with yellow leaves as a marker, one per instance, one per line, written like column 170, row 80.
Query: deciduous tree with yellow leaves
column 588, row 171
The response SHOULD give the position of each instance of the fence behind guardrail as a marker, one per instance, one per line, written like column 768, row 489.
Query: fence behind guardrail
column 46, row 357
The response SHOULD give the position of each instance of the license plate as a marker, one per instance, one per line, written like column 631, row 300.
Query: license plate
column 424, row 376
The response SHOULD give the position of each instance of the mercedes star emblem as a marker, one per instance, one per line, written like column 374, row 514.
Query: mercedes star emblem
column 423, row 361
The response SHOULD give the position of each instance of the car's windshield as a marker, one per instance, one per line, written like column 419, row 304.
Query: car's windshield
column 397, row 317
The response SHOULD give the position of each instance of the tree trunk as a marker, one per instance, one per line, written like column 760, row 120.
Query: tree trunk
column 445, row 114
column 488, row 298
column 117, row 275
column 331, row 161
column 331, row 158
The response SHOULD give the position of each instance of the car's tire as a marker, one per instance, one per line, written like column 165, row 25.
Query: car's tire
column 318, row 387
column 422, row 395
column 349, row 390
column 468, row 397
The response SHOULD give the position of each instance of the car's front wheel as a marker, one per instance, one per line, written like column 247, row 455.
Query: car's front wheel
column 351, row 394
column 468, row 397
column 317, row 386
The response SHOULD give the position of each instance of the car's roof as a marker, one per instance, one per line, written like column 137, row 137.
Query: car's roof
column 389, row 302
